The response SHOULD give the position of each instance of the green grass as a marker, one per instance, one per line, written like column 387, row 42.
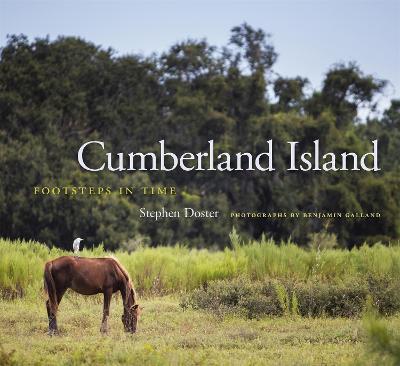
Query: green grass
column 169, row 335
column 166, row 270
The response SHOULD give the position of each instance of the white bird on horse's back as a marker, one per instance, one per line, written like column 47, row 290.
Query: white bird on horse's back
column 75, row 245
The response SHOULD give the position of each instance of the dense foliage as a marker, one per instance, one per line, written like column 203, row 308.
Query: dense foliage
column 55, row 95
column 255, row 299
column 172, row 270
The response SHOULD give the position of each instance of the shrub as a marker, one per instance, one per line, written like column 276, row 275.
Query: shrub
column 317, row 299
column 385, row 294
column 223, row 296
column 382, row 341
column 242, row 296
column 257, row 305
column 273, row 298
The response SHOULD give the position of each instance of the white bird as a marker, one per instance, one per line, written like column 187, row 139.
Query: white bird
column 75, row 245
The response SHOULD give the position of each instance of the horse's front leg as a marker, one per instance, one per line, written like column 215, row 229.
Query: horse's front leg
column 106, row 311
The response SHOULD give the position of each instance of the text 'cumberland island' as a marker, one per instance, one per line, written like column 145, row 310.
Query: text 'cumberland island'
column 222, row 161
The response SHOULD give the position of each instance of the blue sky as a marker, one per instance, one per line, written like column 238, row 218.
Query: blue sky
column 309, row 36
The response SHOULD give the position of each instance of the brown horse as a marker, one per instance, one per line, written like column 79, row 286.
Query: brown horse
column 89, row 276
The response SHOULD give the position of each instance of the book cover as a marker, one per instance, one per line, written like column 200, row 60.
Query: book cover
column 199, row 183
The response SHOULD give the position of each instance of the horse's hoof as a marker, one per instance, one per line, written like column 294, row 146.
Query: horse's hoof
column 53, row 332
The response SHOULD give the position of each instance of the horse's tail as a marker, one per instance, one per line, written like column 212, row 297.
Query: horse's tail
column 50, row 287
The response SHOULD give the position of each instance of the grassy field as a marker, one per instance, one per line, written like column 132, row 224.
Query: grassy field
column 211, row 327
column 169, row 335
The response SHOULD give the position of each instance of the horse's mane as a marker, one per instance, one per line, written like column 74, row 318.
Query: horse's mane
column 127, row 277
column 122, row 269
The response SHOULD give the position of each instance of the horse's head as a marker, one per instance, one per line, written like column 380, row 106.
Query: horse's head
column 130, row 318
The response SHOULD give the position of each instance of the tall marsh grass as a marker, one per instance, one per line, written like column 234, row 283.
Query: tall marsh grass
column 179, row 269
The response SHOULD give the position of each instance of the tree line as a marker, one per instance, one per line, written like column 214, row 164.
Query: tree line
column 57, row 94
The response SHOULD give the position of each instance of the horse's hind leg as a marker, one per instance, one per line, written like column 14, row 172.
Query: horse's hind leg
column 52, row 319
column 106, row 311
column 53, row 328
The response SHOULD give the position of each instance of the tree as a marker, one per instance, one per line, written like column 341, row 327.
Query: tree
column 56, row 95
